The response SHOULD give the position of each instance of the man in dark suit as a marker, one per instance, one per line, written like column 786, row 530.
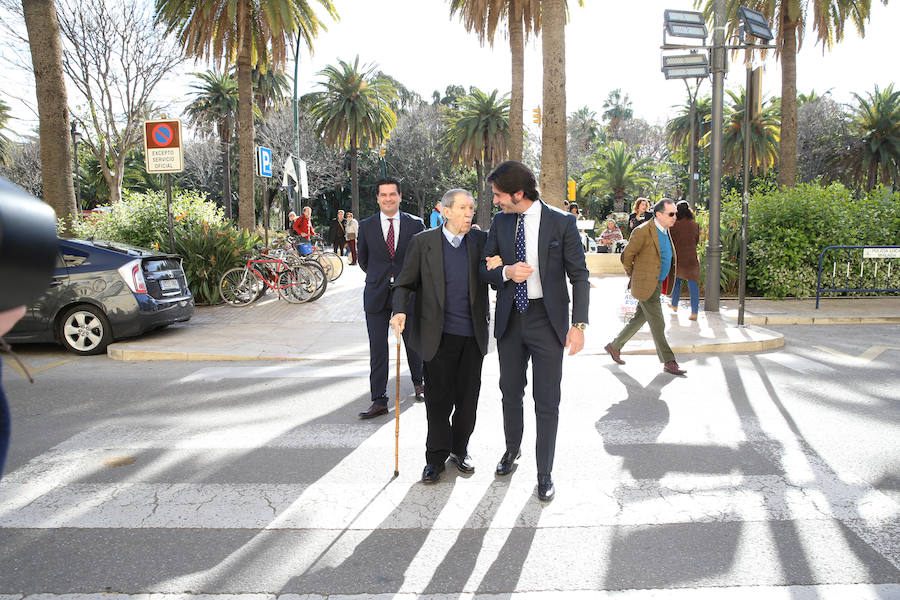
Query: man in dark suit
column 336, row 233
column 451, row 332
column 539, row 246
column 382, row 243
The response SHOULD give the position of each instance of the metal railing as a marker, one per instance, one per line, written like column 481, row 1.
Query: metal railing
column 856, row 269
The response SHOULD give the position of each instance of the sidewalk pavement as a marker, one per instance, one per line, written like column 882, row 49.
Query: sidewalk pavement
column 333, row 327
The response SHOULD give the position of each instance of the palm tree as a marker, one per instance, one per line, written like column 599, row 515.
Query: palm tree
column 616, row 171
column 250, row 33
column 678, row 130
column 478, row 135
column 877, row 122
column 617, row 111
column 353, row 111
column 828, row 19
column 270, row 89
column 215, row 101
column 523, row 18
column 46, row 58
column 764, row 132
column 553, row 131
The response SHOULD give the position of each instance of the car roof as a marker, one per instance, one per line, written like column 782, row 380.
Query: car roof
column 116, row 247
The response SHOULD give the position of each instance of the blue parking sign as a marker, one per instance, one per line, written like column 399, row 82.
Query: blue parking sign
column 263, row 161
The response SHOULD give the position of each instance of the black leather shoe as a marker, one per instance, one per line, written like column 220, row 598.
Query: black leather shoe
column 376, row 410
column 432, row 473
column 546, row 491
column 420, row 392
column 463, row 463
column 507, row 462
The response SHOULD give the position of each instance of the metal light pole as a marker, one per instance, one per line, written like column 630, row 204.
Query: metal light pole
column 745, row 201
column 296, row 205
column 713, row 246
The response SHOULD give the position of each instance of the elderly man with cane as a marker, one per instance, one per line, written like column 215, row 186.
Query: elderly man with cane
column 451, row 332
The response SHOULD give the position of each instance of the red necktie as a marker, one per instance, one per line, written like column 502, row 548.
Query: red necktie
column 390, row 237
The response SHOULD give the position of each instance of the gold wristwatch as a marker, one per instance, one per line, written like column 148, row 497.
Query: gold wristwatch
column 581, row 326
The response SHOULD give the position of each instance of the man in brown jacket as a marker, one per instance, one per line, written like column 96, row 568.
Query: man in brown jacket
column 648, row 258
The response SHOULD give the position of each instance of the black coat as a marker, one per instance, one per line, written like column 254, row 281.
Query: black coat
column 423, row 274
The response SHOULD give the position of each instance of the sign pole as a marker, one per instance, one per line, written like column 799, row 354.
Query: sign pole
column 169, row 213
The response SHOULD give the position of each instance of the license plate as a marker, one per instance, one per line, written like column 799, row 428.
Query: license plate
column 168, row 284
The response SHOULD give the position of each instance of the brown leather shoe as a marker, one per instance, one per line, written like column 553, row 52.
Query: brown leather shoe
column 614, row 354
column 420, row 392
column 672, row 367
column 376, row 410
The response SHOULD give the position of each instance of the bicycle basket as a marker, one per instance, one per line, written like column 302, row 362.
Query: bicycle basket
column 305, row 249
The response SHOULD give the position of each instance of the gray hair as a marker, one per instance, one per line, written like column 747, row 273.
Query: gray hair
column 450, row 196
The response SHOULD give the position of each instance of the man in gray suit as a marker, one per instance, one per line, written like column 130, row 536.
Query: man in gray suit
column 451, row 329
column 539, row 246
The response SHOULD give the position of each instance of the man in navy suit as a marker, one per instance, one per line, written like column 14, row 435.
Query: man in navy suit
column 538, row 246
column 382, row 243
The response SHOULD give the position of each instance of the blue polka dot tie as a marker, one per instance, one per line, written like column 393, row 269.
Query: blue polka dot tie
column 521, row 288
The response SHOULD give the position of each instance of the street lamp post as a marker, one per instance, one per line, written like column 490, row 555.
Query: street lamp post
column 76, row 140
column 713, row 247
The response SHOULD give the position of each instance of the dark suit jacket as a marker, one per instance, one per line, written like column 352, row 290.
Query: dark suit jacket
column 375, row 261
column 560, row 254
column 423, row 273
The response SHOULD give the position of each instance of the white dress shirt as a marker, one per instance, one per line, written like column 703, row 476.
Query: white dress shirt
column 532, row 229
column 451, row 236
column 385, row 224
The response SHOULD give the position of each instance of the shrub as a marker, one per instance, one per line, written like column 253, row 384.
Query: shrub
column 789, row 228
column 208, row 251
column 140, row 217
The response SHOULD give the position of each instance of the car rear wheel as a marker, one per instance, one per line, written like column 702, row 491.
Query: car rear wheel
column 85, row 330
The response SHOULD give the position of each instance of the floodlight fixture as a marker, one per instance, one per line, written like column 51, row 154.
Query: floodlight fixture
column 685, row 23
column 755, row 23
column 685, row 66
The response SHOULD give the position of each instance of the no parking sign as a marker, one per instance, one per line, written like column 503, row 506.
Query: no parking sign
column 162, row 146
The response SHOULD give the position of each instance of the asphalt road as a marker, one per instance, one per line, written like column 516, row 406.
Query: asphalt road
column 773, row 475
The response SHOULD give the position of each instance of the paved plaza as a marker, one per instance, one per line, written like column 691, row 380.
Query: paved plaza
column 771, row 471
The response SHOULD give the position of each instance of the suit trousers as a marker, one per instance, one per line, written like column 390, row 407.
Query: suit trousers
column 648, row 311
column 531, row 336
column 452, row 385
column 378, row 324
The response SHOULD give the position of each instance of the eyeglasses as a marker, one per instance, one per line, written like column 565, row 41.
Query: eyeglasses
column 671, row 214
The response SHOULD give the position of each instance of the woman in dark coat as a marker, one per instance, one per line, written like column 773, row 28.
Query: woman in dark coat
column 640, row 213
column 685, row 235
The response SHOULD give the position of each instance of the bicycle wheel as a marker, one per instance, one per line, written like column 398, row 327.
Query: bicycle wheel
column 335, row 264
column 319, row 278
column 294, row 287
column 305, row 287
column 239, row 286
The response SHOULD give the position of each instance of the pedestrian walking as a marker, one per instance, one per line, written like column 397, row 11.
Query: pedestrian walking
column 685, row 236
column 336, row 233
column 351, row 231
column 383, row 240
column 640, row 214
column 648, row 258
column 302, row 225
column 538, row 247
column 451, row 328
column 436, row 217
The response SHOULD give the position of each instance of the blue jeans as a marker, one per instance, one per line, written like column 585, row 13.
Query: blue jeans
column 695, row 294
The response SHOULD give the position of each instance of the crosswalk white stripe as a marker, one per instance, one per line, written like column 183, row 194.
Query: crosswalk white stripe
column 796, row 363
column 472, row 504
column 792, row 592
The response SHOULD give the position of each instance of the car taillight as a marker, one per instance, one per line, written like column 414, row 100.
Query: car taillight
column 134, row 277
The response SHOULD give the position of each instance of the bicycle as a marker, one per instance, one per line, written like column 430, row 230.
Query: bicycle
column 242, row 285
column 330, row 261
column 287, row 251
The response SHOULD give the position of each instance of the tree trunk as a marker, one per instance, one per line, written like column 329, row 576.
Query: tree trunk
column 225, row 139
column 553, row 146
column 484, row 208
column 354, row 178
column 246, row 176
column 787, row 153
column 479, row 190
column 619, row 196
column 46, row 60
column 517, row 96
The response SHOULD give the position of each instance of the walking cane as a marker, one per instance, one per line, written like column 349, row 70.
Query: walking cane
column 397, row 411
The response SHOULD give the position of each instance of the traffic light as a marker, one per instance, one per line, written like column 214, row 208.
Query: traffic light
column 537, row 115
column 571, row 191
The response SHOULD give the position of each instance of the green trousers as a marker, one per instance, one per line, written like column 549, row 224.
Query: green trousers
column 648, row 311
